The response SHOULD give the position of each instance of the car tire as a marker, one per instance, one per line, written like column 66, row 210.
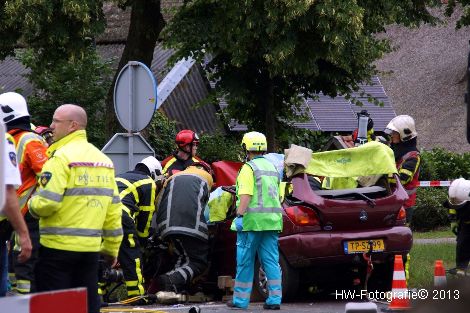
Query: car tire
column 290, row 280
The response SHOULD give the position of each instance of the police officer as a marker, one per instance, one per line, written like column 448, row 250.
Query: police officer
column 258, row 223
column 11, row 211
column 78, row 207
column 31, row 151
column 186, row 142
column 459, row 214
column 180, row 220
column 137, row 190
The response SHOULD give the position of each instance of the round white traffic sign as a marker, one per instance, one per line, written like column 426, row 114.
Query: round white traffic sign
column 135, row 96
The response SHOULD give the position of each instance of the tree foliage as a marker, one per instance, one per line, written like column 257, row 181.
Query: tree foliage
column 83, row 81
column 61, row 30
column 266, row 55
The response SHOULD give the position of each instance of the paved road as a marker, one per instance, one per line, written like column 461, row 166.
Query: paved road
column 326, row 306
column 433, row 240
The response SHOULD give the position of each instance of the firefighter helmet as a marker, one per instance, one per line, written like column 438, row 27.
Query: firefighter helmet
column 13, row 106
column 154, row 166
column 204, row 166
column 459, row 191
column 186, row 137
column 404, row 125
column 254, row 141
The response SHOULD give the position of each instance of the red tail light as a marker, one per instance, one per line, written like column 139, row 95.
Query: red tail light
column 302, row 216
column 401, row 216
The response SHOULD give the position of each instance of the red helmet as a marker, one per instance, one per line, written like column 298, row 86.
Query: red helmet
column 186, row 137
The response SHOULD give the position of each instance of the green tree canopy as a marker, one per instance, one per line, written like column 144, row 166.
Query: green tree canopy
column 267, row 55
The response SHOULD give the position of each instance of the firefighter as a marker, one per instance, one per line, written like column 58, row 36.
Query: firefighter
column 187, row 142
column 11, row 211
column 402, row 131
column 403, row 140
column 258, row 223
column 180, row 221
column 31, row 152
column 459, row 214
column 78, row 207
column 137, row 190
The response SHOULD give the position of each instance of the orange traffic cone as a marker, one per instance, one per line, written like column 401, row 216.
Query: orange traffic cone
column 400, row 298
column 440, row 280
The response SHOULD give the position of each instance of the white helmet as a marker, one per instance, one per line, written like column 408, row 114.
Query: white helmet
column 404, row 125
column 153, row 165
column 459, row 191
column 12, row 106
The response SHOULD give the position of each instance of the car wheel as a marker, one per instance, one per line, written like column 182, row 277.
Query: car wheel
column 290, row 280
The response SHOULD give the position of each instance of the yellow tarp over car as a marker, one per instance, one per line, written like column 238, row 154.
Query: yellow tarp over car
column 372, row 158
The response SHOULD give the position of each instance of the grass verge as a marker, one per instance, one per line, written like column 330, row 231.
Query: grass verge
column 423, row 257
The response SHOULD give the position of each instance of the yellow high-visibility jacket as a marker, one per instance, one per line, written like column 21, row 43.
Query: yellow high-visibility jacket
column 78, row 202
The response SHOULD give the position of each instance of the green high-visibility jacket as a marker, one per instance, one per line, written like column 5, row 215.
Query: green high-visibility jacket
column 264, row 209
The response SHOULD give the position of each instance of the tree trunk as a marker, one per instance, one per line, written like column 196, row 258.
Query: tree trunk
column 267, row 101
column 146, row 24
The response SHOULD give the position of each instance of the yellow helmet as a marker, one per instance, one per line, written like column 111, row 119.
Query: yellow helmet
column 254, row 141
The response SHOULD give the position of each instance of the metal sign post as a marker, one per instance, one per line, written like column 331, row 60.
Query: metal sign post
column 2, row 162
column 135, row 100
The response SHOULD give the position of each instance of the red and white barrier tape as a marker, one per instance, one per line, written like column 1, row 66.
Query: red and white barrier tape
column 60, row 301
column 434, row 183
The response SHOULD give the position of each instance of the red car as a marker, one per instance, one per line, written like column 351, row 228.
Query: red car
column 326, row 235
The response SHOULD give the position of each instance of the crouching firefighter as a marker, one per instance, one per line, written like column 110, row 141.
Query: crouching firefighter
column 137, row 190
column 459, row 214
column 180, row 221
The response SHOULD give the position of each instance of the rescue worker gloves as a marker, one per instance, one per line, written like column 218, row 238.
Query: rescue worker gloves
column 404, row 125
column 254, row 141
column 12, row 106
column 154, row 166
column 239, row 223
column 454, row 227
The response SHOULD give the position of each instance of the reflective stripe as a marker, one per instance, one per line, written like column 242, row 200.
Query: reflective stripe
column 275, row 282
column 23, row 286
column 264, row 210
column 132, row 283
column 407, row 172
column 24, row 140
column 112, row 232
column 275, row 292
column 199, row 206
column 190, row 270
column 89, row 191
column 90, row 164
column 50, row 195
column 168, row 207
column 183, row 273
column 116, row 200
column 452, row 211
column 24, row 197
column 180, row 229
column 242, row 295
column 130, row 189
column 71, row 231
column 242, row 284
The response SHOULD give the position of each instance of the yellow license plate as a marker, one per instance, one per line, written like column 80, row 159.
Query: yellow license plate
column 360, row 246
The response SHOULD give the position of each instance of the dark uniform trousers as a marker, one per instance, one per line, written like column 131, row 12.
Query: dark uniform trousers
column 130, row 257
column 191, row 262
column 24, row 272
column 462, row 251
column 60, row 269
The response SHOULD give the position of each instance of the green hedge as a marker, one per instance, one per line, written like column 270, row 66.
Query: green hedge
column 437, row 164
column 429, row 213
